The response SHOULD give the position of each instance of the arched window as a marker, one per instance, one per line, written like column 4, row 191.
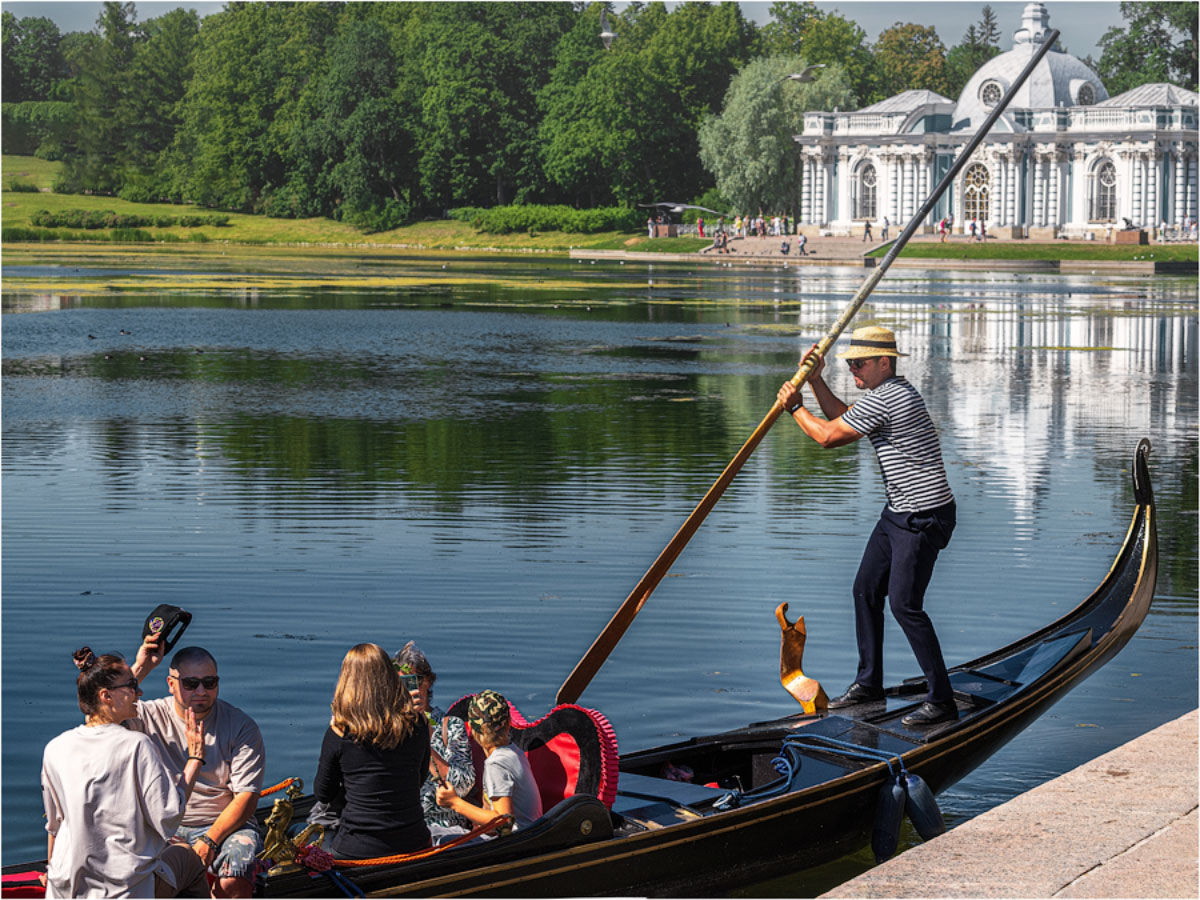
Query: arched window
column 865, row 193
column 1104, row 193
column 976, row 190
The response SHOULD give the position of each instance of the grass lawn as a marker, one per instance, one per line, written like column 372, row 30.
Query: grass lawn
column 29, row 169
column 19, row 207
column 1088, row 250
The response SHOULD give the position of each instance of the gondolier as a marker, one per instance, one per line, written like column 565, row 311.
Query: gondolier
column 913, row 528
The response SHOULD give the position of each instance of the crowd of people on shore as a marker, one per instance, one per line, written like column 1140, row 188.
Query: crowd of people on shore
column 157, row 798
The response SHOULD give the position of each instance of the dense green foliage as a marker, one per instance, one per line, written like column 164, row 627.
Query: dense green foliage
column 749, row 147
column 377, row 114
column 1158, row 43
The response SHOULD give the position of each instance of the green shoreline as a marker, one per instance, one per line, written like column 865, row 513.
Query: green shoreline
column 249, row 235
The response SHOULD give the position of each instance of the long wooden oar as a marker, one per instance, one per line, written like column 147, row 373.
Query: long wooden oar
column 587, row 667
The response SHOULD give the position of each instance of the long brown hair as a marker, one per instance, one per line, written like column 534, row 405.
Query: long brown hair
column 370, row 704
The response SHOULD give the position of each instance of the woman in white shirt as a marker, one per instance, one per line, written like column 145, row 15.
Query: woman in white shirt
column 111, row 802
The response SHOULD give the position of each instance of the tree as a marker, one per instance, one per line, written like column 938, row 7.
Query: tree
column 240, row 113
column 622, row 124
column 749, row 147
column 911, row 57
column 353, row 157
column 823, row 38
column 977, row 47
column 33, row 63
column 784, row 34
column 1158, row 43
column 157, row 78
column 103, row 109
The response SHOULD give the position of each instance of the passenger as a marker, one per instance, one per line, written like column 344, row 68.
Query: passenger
column 450, row 756
column 112, row 802
column 219, row 820
column 509, row 787
column 375, row 754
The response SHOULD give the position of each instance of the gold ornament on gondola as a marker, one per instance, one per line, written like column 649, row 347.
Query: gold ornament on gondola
column 278, row 847
column 807, row 691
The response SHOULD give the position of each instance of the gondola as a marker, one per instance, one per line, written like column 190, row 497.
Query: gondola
column 773, row 797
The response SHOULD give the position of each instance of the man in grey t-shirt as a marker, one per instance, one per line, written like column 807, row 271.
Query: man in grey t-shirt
column 218, row 822
column 914, row 526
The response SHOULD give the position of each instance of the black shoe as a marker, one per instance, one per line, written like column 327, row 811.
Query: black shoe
column 856, row 693
column 930, row 713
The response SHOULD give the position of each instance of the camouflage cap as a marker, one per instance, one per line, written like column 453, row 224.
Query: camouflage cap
column 488, row 710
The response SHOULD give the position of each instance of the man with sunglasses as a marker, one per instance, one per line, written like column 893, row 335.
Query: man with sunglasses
column 218, row 821
column 914, row 526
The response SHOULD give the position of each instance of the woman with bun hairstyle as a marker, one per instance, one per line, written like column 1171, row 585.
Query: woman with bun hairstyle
column 111, row 802
column 375, row 755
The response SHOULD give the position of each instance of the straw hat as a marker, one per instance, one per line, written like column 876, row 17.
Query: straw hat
column 871, row 340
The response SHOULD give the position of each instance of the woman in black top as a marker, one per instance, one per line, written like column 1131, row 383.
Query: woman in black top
column 376, row 755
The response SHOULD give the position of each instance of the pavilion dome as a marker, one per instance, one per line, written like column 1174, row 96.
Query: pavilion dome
column 1060, row 79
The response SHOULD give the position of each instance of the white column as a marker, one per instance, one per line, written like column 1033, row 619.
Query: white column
column 1079, row 187
column 1191, row 185
column 806, row 191
column 1055, row 191
column 1178, row 204
column 910, row 177
column 819, row 191
column 1135, row 164
column 1002, row 191
column 1154, row 208
column 926, row 161
column 1039, row 186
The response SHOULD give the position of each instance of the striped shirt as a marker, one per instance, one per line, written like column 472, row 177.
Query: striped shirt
column 893, row 416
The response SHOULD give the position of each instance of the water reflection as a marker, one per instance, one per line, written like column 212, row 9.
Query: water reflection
column 301, row 468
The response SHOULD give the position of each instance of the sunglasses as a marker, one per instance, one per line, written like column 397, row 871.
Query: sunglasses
column 190, row 684
column 132, row 684
column 412, row 683
column 856, row 364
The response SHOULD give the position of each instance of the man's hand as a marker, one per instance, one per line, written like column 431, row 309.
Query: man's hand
column 204, row 851
column 818, row 365
column 789, row 396
column 149, row 655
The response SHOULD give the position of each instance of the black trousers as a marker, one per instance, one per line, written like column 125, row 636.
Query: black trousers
column 897, row 565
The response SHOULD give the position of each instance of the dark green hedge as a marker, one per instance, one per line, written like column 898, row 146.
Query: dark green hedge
column 509, row 219
column 103, row 218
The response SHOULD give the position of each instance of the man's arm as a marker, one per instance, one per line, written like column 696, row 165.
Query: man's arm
column 826, row 432
column 149, row 655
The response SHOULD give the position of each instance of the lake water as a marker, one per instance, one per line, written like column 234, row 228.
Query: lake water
column 486, row 455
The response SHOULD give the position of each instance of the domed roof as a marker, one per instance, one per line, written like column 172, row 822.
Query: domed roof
column 1060, row 79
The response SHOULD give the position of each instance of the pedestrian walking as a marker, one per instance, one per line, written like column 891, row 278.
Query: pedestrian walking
column 866, row 231
column 883, row 232
column 700, row 225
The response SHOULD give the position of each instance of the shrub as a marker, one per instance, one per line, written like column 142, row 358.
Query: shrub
column 198, row 237
column 22, row 187
column 509, row 219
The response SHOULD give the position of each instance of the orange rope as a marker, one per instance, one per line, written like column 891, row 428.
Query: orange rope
column 431, row 851
column 278, row 787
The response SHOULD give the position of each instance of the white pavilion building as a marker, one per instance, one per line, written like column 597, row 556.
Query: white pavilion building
column 1063, row 160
